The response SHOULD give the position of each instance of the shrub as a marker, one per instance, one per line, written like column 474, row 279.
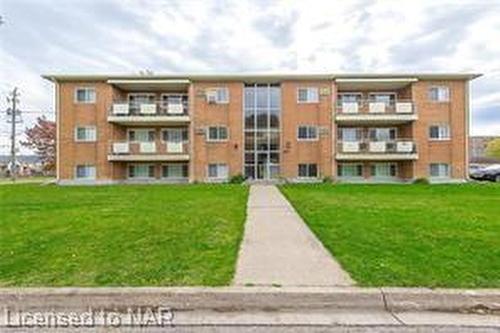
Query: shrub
column 237, row 179
column 327, row 179
column 421, row 181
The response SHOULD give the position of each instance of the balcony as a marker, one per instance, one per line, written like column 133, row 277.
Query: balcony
column 149, row 113
column 394, row 150
column 371, row 112
column 126, row 151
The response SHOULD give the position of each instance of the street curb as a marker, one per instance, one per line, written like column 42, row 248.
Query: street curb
column 252, row 298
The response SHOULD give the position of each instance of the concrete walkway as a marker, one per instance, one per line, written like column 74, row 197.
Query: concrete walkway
column 279, row 249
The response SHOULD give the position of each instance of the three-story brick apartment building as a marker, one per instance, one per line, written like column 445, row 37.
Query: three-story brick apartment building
column 185, row 128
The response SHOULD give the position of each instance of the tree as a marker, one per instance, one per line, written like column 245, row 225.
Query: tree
column 42, row 139
column 493, row 148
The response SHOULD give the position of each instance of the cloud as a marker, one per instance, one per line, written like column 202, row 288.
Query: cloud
column 230, row 36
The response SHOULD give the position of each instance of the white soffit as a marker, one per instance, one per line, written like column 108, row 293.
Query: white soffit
column 150, row 85
column 373, row 83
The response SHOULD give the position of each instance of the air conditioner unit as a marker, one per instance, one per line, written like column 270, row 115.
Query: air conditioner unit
column 211, row 96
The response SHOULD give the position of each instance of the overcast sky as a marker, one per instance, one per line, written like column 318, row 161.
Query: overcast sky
column 125, row 36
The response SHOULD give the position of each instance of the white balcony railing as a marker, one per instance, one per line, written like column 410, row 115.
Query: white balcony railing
column 367, row 106
column 398, row 146
column 154, row 108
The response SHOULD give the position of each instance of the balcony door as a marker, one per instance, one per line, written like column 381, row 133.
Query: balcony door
column 174, row 139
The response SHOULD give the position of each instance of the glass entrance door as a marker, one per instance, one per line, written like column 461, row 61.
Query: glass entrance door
column 262, row 104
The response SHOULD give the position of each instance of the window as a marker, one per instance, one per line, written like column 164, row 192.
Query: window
column 307, row 95
column 384, row 170
column 85, row 172
column 350, row 97
column 382, row 134
column 350, row 134
column 169, row 134
column 387, row 98
column 175, row 171
column 85, row 134
column 439, row 132
column 439, row 170
column 85, row 95
column 217, row 133
column 217, row 171
column 308, row 170
column 307, row 133
column 141, row 171
column 439, row 94
column 218, row 95
column 350, row 170
column 141, row 135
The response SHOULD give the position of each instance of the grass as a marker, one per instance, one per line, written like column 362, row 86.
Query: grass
column 414, row 235
column 26, row 180
column 120, row 235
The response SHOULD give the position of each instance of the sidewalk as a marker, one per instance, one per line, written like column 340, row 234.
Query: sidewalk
column 279, row 249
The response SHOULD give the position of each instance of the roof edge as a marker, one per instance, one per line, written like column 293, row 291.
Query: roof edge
column 258, row 76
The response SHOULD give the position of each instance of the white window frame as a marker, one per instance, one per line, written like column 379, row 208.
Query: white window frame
column 311, row 97
column 339, row 165
column 140, row 164
column 87, row 89
column 308, row 167
column 372, row 94
column 439, row 164
column 439, row 88
column 218, row 170
column 442, row 129
column 316, row 138
column 92, row 176
column 140, row 129
column 87, row 128
column 218, row 139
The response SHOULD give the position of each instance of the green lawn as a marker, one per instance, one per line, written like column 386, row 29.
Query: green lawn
column 152, row 235
column 414, row 235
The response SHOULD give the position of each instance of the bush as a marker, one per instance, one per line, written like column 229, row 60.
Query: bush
column 421, row 181
column 327, row 179
column 237, row 179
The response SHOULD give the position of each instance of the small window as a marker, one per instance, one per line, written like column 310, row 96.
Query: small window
column 85, row 172
column 141, row 171
column 439, row 132
column 308, row 170
column 439, row 94
column 85, row 134
column 217, row 171
column 350, row 170
column 439, row 170
column 141, row 135
column 308, row 95
column 85, row 95
column 217, row 133
column 307, row 133
column 175, row 171
column 218, row 95
column 349, row 98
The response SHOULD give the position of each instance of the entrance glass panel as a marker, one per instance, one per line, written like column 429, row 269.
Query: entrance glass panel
column 262, row 130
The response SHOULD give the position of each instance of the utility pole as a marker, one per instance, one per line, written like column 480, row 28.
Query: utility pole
column 13, row 112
